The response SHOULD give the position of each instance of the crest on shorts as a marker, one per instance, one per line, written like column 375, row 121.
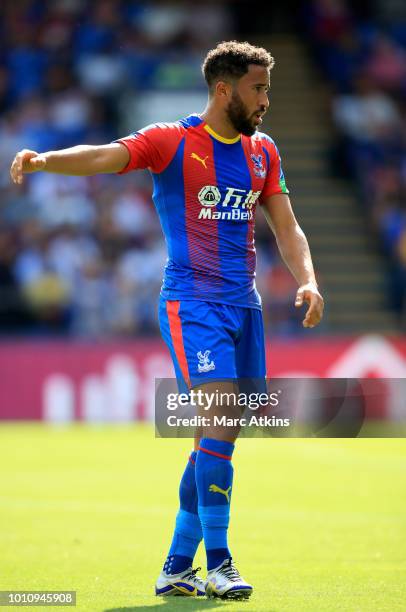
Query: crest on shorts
column 259, row 169
column 205, row 365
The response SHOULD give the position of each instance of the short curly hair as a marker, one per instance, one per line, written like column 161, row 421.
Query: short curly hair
column 230, row 61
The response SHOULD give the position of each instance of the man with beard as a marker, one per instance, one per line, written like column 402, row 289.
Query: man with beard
column 209, row 173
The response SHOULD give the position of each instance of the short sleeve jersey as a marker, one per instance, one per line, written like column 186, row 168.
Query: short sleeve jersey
column 206, row 189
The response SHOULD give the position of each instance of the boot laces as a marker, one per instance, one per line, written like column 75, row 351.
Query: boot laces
column 230, row 571
column 192, row 575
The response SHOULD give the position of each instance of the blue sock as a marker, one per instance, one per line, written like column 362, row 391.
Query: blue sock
column 188, row 531
column 214, row 479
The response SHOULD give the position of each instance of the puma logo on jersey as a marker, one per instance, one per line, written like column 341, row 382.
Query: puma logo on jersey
column 199, row 159
column 215, row 489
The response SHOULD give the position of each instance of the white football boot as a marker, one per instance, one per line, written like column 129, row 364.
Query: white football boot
column 185, row 583
column 226, row 582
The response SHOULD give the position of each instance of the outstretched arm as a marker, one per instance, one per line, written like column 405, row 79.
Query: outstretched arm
column 83, row 160
column 295, row 252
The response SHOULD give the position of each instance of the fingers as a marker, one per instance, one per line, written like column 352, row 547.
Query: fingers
column 299, row 298
column 25, row 161
column 314, row 313
column 16, row 169
column 38, row 162
column 311, row 319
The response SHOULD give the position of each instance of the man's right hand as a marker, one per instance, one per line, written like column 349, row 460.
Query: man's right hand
column 25, row 162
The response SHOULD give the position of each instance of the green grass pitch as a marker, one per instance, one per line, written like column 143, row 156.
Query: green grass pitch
column 316, row 525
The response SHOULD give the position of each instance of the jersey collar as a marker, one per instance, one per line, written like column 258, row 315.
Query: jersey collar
column 221, row 138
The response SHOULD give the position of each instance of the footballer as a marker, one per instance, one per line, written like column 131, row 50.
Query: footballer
column 210, row 172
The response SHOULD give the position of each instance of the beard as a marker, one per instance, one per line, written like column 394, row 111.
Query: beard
column 239, row 117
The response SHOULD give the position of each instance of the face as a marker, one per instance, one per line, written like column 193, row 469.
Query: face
column 249, row 100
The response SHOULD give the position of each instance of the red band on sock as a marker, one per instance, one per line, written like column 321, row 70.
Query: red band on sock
column 210, row 452
column 191, row 460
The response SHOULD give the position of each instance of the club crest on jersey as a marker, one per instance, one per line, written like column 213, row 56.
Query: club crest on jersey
column 259, row 169
column 205, row 365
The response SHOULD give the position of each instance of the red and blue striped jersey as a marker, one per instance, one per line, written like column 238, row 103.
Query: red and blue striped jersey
column 206, row 189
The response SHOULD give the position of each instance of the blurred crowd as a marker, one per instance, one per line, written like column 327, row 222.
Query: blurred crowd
column 84, row 256
column 362, row 51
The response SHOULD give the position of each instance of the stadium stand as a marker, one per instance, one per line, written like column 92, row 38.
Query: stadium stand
column 361, row 49
column 84, row 256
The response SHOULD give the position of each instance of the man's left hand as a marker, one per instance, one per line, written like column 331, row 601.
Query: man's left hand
column 310, row 294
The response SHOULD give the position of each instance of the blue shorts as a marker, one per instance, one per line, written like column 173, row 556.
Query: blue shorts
column 210, row 341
